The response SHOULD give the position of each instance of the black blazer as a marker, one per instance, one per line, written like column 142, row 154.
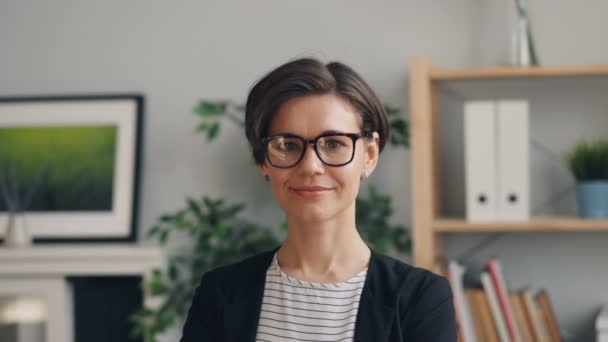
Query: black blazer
column 399, row 303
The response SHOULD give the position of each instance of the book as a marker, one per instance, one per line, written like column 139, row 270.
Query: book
column 467, row 329
column 501, row 289
column 521, row 317
column 542, row 297
column 441, row 267
column 488, row 287
column 482, row 316
column 475, row 316
column 541, row 332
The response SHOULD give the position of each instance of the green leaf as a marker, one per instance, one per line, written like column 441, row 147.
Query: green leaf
column 173, row 272
column 589, row 160
column 202, row 127
column 212, row 131
column 392, row 111
column 208, row 203
column 231, row 211
column 163, row 236
column 167, row 218
column 210, row 108
column 196, row 209
column 153, row 231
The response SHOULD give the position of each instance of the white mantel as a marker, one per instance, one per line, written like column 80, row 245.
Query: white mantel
column 70, row 259
column 42, row 270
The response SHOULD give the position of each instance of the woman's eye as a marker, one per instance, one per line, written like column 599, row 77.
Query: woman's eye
column 333, row 144
column 288, row 146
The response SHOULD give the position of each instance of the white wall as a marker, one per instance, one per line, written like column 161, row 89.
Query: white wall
column 179, row 52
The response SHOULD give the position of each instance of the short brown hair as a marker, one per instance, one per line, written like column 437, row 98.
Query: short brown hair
column 308, row 76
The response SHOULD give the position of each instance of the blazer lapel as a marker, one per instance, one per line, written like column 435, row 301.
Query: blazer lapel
column 375, row 317
column 242, row 313
column 374, row 321
column 241, row 319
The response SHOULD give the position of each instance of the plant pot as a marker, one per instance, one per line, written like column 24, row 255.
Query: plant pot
column 592, row 198
column 17, row 235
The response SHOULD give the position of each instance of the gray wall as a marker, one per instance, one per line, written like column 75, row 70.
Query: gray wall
column 179, row 52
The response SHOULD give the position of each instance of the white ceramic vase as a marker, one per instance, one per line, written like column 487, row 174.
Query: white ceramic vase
column 17, row 235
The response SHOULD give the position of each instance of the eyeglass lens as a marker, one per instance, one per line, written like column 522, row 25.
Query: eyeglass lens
column 331, row 149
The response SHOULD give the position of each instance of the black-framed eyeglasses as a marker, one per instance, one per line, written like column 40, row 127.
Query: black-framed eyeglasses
column 333, row 149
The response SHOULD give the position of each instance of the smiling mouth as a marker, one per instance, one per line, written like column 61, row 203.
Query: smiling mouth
column 311, row 191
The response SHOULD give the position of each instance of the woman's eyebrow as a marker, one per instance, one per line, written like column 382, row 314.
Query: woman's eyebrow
column 331, row 131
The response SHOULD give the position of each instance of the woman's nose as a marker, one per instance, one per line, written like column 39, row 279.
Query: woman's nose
column 310, row 162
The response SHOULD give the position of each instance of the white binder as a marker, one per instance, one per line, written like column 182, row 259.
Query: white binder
column 513, row 161
column 480, row 160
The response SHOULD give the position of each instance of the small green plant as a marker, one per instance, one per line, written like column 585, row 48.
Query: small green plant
column 588, row 160
column 219, row 236
column 372, row 217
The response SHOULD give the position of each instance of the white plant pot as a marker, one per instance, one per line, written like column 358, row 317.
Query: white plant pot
column 17, row 235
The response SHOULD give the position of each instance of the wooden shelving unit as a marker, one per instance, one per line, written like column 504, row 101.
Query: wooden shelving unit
column 428, row 225
column 537, row 224
column 505, row 73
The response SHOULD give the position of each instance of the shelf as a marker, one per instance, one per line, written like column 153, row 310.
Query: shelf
column 518, row 72
column 537, row 224
column 427, row 87
column 70, row 259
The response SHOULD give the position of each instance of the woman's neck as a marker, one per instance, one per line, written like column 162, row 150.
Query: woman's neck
column 326, row 252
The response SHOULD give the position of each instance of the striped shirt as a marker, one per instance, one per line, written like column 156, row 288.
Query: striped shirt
column 296, row 310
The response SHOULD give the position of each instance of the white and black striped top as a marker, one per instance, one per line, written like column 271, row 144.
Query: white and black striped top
column 295, row 310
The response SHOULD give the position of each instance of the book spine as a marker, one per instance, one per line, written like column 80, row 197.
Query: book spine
column 503, row 299
column 464, row 314
column 549, row 315
column 540, row 329
column 501, row 328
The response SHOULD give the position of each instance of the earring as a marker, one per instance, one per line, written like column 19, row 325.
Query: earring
column 365, row 174
column 267, row 178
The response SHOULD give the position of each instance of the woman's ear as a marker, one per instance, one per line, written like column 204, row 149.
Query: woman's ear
column 372, row 152
column 263, row 169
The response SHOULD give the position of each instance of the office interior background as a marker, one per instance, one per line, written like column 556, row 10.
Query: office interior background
column 178, row 53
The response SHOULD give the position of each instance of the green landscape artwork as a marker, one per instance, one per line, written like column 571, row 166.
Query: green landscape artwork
column 71, row 167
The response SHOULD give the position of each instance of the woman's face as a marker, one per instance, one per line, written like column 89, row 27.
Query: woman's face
column 311, row 191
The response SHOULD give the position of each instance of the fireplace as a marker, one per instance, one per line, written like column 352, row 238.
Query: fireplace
column 72, row 293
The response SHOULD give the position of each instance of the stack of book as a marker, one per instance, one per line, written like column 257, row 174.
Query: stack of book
column 491, row 312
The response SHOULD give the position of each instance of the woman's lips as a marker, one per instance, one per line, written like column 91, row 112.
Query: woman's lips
column 311, row 191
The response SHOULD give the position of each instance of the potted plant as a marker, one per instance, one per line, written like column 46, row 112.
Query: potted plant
column 588, row 162
column 16, row 198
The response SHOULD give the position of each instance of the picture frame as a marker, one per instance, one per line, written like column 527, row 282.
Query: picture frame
column 81, row 154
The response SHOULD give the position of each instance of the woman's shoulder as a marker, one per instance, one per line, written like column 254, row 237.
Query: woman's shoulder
column 409, row 281
column 422, row 300
column 244, row 271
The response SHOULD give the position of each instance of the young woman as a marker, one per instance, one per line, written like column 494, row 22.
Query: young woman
column 316, row 131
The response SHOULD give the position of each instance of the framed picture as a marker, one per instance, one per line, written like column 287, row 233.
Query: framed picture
column 78, row 159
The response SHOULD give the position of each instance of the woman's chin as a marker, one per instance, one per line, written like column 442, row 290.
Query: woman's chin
column 310, row 215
